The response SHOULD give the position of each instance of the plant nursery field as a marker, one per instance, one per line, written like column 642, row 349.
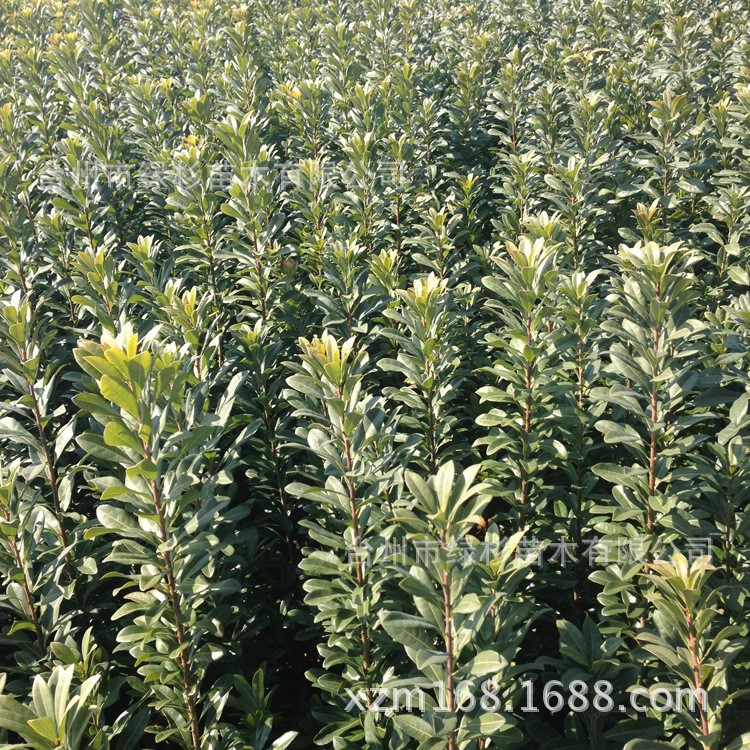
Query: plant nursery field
column 374, row 374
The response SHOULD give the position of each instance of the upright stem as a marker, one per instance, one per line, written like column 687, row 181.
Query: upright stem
column 448, row 627
column 578, row 495
column 653, row 450
column 52, row 478
column 49, row 463
column 279, row 477
column 729, row 523
column 527, row 431
column 27, row 591
column 364, row 635
column 697, row 684
column 653, row 447
column 174, row 602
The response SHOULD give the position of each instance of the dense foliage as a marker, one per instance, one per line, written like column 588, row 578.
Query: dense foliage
column 385, row 344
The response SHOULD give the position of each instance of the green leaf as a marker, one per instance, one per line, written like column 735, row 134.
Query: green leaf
column 408, row 630
column 12, row 429
column 486, row 662
column 485, row 725
column 116, row 435
column 14, row 716
column 116, row 392
column 112, row 517
column 618, row 433
column 414, row 726
column 284, row 741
